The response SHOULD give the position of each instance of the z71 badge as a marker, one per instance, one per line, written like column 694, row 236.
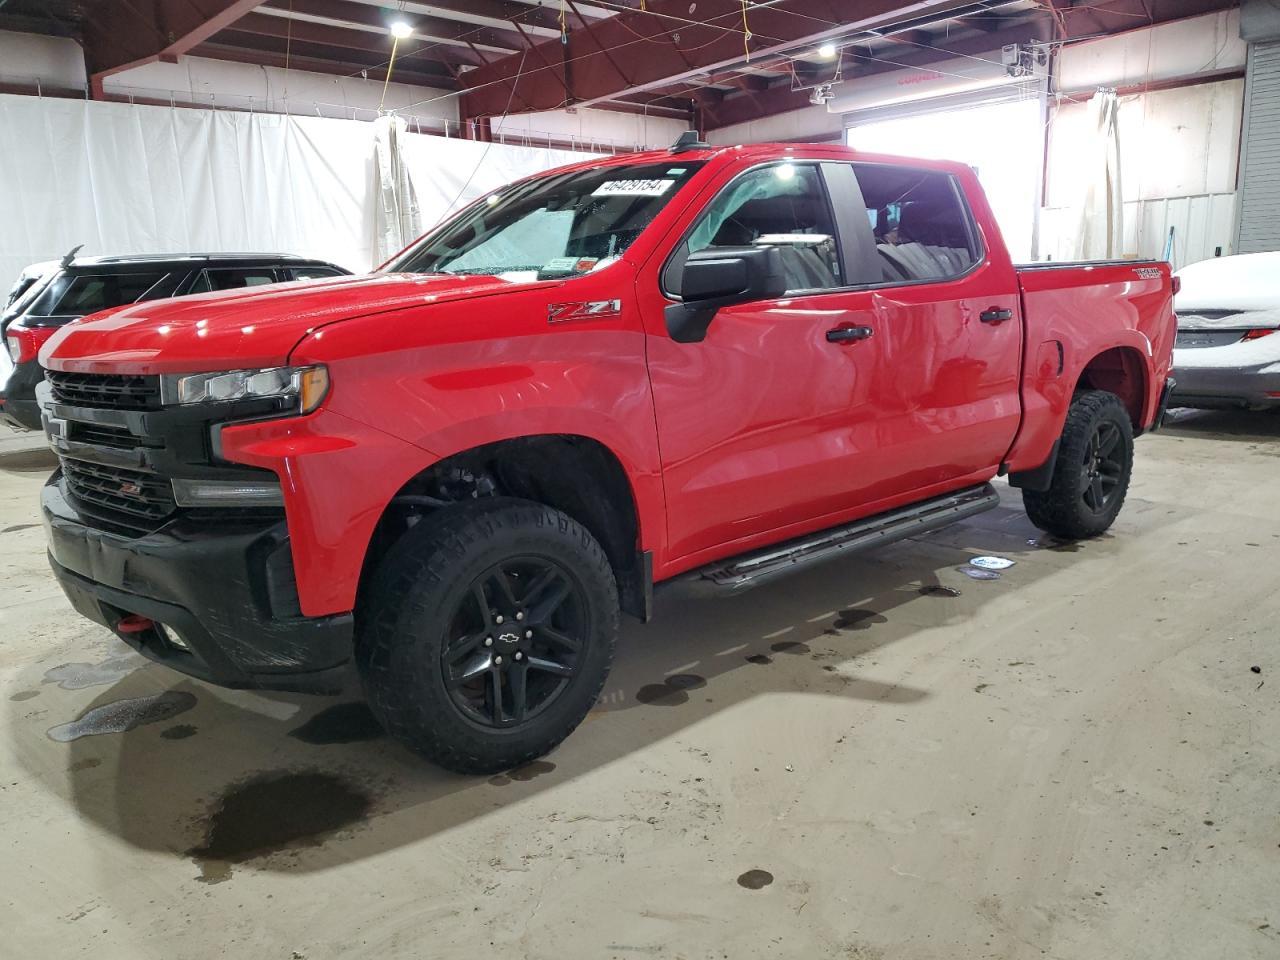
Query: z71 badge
column 1147, row 273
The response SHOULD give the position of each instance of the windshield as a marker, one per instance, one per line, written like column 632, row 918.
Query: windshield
column 553, row 227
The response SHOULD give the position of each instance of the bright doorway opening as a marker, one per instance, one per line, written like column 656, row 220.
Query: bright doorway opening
column 1002, row 141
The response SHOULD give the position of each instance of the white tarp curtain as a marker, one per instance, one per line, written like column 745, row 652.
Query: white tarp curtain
column 123, row 178
column 397, row 218
column 1101, row 231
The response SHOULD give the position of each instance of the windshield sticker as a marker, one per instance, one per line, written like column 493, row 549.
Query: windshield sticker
column 632, row 188
column 570, row 265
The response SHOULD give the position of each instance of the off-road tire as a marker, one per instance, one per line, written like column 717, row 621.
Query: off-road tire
column 400, row 633
column 1064, row 510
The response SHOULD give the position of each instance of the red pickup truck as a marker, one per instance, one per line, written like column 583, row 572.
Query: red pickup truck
column 458, row 471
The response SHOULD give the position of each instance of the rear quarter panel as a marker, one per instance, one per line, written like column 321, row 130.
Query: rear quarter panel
column 1075, row 313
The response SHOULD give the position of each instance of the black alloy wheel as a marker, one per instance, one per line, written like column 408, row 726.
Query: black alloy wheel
column 1104, row 467
column 514, row 641
column 1091, row 472
column 486, row 633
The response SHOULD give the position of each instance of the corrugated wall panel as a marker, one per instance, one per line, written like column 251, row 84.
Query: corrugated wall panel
column 1259, row 193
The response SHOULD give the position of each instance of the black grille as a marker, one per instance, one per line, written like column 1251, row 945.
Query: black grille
column 103, row 436
column 130, row 497
column 112, row 391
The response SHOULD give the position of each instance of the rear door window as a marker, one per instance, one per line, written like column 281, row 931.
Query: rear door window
column 923, row 229
column 233, row 278
column 79, row 294
column 783, row 205
column 312, row 273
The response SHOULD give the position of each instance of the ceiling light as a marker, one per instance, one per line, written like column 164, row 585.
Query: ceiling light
column 401, row 30
column 827, row 51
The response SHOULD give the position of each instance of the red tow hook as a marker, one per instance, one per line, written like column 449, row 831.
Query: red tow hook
column 134, row 624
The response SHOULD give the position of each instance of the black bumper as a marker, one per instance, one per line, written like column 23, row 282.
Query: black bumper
column 20, row 408
column 226, row 589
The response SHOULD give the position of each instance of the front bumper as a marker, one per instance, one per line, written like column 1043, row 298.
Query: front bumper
column 227, row 590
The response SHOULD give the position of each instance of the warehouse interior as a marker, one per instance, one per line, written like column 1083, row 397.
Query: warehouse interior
column 1068, row 750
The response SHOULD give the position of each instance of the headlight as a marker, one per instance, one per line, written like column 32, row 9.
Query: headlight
column 305, row 385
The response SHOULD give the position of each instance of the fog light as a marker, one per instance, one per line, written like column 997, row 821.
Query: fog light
column 227, row 493
column 174, row 638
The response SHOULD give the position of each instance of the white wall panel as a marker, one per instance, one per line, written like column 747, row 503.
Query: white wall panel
column 243, row 86
column 599, row 129
column 1173, row 143
column 50, row 61
column 1201, row 225
column 1181, row 48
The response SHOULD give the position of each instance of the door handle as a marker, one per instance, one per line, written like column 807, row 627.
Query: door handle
column 848, row 334
column 996, row 315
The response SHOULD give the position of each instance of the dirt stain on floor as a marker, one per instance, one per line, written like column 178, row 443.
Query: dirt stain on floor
column 789, row 646
column 121, row 716
column 24, row 695
column 344, row 723
column 178, row 732
column 531, row 770
column 760, row 659
column 936, row 590
column 755, row 879
column 672, row 691
column 854, row 619
column 276, row 811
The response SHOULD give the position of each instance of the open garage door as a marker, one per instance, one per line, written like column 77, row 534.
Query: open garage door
column 1259, row 193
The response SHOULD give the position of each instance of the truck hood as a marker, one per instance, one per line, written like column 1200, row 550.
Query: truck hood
column 243, row 329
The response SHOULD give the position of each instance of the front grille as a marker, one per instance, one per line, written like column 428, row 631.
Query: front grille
column 110, row 391
column 103, row 436
column 131, row 498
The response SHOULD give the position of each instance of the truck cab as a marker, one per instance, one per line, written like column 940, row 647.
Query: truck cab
column 459, row 471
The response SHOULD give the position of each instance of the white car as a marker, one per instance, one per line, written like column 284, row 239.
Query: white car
column 1228, row 348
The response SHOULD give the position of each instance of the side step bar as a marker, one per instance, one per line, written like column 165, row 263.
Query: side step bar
column 752, row 568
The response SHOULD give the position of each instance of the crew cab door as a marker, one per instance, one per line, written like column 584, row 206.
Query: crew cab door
column 868, row 385
column 946, row 312
column 765, row 423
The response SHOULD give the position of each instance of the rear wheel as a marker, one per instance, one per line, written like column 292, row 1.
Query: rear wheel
column 487, row 633
column 1091, row 476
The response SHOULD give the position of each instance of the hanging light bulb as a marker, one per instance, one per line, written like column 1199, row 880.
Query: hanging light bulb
column 401, row 30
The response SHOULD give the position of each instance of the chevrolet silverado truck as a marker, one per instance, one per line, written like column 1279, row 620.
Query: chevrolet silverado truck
column 459, row 471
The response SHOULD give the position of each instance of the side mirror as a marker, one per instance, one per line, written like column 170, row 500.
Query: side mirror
column 716, row 278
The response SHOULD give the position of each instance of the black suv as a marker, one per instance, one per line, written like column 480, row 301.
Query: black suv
column 89, row 284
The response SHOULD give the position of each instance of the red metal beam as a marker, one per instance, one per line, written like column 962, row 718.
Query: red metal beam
column 304, row 31
column 383, row 17
column 127, row 34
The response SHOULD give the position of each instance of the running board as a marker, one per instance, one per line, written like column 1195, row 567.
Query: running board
column 752, row 568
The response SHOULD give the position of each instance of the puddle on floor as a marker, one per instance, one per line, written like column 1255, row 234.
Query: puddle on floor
column 121, row 716
column 276, row 811
column 77, row 676
column 344, row 723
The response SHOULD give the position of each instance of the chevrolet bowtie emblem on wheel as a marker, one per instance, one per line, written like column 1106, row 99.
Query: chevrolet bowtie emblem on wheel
column 583, row 310
column 510, row 639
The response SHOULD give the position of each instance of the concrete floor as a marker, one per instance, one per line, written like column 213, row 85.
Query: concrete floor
column 1074, row 761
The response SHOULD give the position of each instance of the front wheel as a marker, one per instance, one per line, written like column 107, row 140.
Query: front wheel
column 1091, row 475
column 487, row 633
